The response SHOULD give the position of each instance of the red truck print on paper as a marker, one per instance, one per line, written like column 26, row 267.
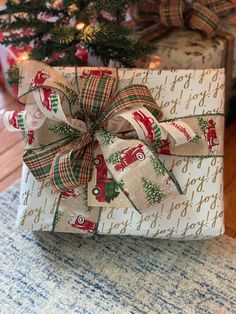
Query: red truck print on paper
column 67, row 194
column 106, row 189
column 45, row 98
column 40, row 77
column 145, row 123
column 210, row 135
column 83, row 224
column 30, row 137
column 45, row 93
column 129, row 156
column 97, row 72
column 165, row 147
column 13, row 120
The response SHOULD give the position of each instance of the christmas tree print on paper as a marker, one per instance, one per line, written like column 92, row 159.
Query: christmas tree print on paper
column 54, row 98
column 58, row 216
column 203, row 124
column 114, row 158
column 158, row 166
column 196, row 139
column 157, row 132
column 112, row 191
column 70, row 94
column 85, row 198
column 121, row 184
column 107, row 138
column 153, row 193
column 64, row 129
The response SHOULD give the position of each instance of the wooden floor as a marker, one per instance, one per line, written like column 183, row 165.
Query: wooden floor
column 11, row 149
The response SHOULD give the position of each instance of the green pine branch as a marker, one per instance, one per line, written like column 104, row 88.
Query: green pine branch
column 16, row 40
column 112, row 42
column 109, row 40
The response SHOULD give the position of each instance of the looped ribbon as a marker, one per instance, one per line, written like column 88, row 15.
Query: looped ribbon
column 202, row 15
column 124, row 125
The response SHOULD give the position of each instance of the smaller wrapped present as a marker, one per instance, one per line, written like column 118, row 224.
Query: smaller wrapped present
column 121, row 151
column 187, row 34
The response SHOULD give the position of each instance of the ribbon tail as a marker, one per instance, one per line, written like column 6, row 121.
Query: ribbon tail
column 72, row 165
column 138, row 172
column 39, row 160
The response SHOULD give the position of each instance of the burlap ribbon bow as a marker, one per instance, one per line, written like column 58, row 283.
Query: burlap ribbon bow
column 124, row 125
column 202, row 15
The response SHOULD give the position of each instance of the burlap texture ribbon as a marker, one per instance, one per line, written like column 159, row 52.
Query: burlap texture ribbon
column 202, row 15
column 124, row 124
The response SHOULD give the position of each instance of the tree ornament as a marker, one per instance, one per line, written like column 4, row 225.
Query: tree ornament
column 108, row 16
column 73, row 8
column 81, row 54
column 79, row 26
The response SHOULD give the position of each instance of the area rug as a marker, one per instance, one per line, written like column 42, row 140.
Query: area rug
column 63, row 273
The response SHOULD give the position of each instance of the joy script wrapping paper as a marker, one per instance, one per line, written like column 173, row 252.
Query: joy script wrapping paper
column 196, row 214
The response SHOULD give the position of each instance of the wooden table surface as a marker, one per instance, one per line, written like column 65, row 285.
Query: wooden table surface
column 12, row 145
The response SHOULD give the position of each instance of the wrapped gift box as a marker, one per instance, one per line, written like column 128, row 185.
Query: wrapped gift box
column 187, row 49
column 195, row 214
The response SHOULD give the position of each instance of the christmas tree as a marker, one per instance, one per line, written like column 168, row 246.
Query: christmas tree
column 114, row 158
column 158, row 166
column 203, row 124
column 58, row 31
column 106, row 138
column 154, row 194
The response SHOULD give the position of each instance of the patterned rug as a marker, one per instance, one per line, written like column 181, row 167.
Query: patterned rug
column 62, row 273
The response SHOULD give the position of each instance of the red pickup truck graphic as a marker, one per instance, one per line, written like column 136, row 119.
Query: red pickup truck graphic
column 83, row 224
column 165, row 147
column 45, row 93
column 39, row 78
column 106, row 189
column 67, row 194
column 145, row 123
column 13, row 120
column 130, row 155
column 30, row 137
column 210, row 134
column 97, row 72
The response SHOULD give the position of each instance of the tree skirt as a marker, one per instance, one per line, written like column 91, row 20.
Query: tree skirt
column 63, row 273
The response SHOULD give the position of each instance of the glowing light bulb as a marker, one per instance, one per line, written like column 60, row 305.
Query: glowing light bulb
column 79, row 26
column 23, row 57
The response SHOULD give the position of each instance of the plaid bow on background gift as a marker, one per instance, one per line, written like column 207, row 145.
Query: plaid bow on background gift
column 166, row 15
column 108, row 120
